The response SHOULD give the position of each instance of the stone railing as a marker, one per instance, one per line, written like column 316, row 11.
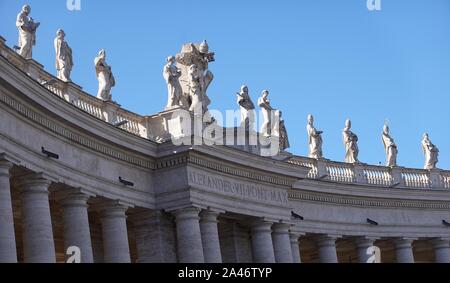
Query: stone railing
column 381, row 176
column 107, row 111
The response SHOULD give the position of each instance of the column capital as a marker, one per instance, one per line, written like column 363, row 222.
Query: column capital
column 327, row 240
column 187, row 213
column 33, row 183
column 74, row 198
column 404, row 242
column 262, row 226
column 281, row 228
column 365, row 242
column 209, row 216
column 111, row 209
column 440, row 243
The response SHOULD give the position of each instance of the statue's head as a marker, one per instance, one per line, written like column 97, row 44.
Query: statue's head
column 386, row 129
column 310, row 119
column 348, row 123
column 60, row 33
column 244, row 88
column 171, row 59
column 425, row 136
column 102, row 54
column 204, row 47
column 265, row 93
column 26, row 9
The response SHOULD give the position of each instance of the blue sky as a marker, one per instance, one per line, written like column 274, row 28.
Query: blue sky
column 334, row 59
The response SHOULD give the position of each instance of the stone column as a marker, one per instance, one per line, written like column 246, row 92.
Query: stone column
column 327, row 249
column 210, row 236
column 295, row 246
column 37, row 230
column 76, row 224
column 282, row 243
column 116, row 247
column 8, row 253
column 190, row 248
column 441, row 250
column 262, row 245
column 363, row 246
column 404, row 251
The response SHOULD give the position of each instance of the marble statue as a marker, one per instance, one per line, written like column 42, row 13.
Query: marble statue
column 282, row 132
column 351, row 144
column 199, row 56
column 172, row 74
column 247, row 108
column 390, row 147
column 266, row 109
column 315, row 139
column 431, row 153
column 64, row 61
column 27, row 32
column 105, row 77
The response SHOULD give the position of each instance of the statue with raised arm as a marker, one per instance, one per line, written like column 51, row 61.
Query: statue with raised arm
column 64, row 61
column 197, row 55
column 247, row 108
column 315, row 139
column 27, row 32
column 266, row 109
column 390, row 147
column 172, row 74
column 350, row 143
column 431, row 153
column 105, row 77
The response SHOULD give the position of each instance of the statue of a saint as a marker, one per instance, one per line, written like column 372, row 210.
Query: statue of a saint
column 105, row 77
column 315, row 139
column 172, row 74
column 282, row 131
column 390, row 147
column 64, row 61
column 266, row 109
column 431, row 153
column 195, row 90
column 27, row 32
column 351, row 144
column 247, row 108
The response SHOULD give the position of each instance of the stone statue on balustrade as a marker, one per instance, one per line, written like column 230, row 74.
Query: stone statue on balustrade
column 315, row 139
column 350, row 143
column 172, row 75
column 27, row 32
column 195, row 76
column 105, row 77
column 390, row 146
column 247, row 109
column 266, row 109
column 64, row 61
column 431, row 153
column 280, row 131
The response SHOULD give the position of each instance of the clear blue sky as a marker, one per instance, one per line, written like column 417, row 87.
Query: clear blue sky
column 334, row 59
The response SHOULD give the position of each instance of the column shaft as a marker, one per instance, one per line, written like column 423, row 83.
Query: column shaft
column 8, row 253
column 441, row 250
column 295, row 246
column 282, row 243
column 190, row 247
column 210, row 237
column 262, row 245
column 327, row 249
column 37, row 230
column 116, row 248
column 76, row 225
column 404, row 251
column 365, row 250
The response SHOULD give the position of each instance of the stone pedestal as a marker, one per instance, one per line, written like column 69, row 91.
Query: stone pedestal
column 327, row 249
column 282, row 243
column 76, row 225
column 404, row 251
column 37, row 231
column 190, row 248
column 441, row 250
column 262, row 245
column 210, row 236
column 8, row 252
column 116, row 248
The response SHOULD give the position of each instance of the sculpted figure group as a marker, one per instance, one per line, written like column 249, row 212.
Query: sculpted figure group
column 188, row 78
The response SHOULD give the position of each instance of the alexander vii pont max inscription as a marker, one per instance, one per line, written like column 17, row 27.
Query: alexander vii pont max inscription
column 237, row 189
